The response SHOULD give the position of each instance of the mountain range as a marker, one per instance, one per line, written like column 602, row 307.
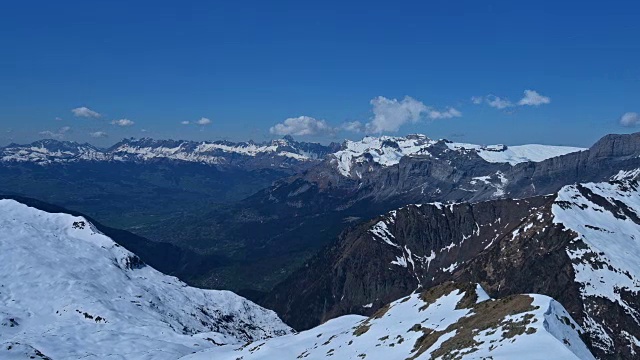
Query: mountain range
column 283, row 153
column 97, row 300
column 201, row 195
column 387, row 247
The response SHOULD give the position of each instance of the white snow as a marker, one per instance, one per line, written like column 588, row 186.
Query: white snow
column 626, row 175
column 381, row 230
column 204, row 152
column 393, row 335
column 606, row 258
column 515, row 154
column 70, row 292
column 388, row 150
column 353, row 152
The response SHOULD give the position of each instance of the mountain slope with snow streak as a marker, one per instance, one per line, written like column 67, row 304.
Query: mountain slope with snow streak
column 69, row 292
column 275, row 153
column 516, row 154
column 579, row 246
column 451, row 320
column 388, row 150
column 383, row 150
column 605, row 218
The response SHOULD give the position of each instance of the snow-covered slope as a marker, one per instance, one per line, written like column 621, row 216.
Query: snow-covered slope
column 383, row 150
column 69, row 292
column 454, row 320
column 515, row 154
column 605, row 218
column 388, row 150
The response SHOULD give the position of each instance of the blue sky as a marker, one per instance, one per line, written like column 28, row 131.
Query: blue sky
column 334, row 69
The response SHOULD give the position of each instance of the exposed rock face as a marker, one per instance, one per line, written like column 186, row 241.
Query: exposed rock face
column 577, row 246
column 445, row 173
column 300, row 214
column 392, row 255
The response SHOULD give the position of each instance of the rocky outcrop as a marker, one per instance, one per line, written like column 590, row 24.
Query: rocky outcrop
column 576, row 246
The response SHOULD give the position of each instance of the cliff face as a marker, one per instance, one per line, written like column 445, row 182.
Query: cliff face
column 441, row 172
column 413, row 247
column 576, row 246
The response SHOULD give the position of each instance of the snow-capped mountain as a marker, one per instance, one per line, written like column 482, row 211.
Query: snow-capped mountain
column 280, row 152
column 449, row 321
column 68, row 292
column 356, row 157
column 51, row 151
column 384, row 151
column 578, row 246
column 298, row 206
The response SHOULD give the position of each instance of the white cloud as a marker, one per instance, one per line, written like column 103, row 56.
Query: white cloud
column 59, row 135
column 58, row 118
column 493, row 101
column 186, row 122
column 391, row 114
column 447, row 114
column 533, row 98
column 203, row 121
column 122, row 122
column 497, row 102
column 354, row 126
column 630, row 119
column 302, row 125
column 85, row 112
column 99, row 134
column 477, row 100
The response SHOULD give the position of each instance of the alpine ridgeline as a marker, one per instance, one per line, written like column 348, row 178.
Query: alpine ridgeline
column 67, row 291
column 450, row 321
column 578, row 246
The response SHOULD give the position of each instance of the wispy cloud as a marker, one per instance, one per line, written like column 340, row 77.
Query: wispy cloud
column 99, row 134
column 533, row 98
column 85, row 112
column 530, row 98
column 493, row 101
column 630, row 119
column 498, row 102
column 302, row 126
column 186, row 122
column 123, row 122
column 353, row 126
column 446, row 114
column 58, row 135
